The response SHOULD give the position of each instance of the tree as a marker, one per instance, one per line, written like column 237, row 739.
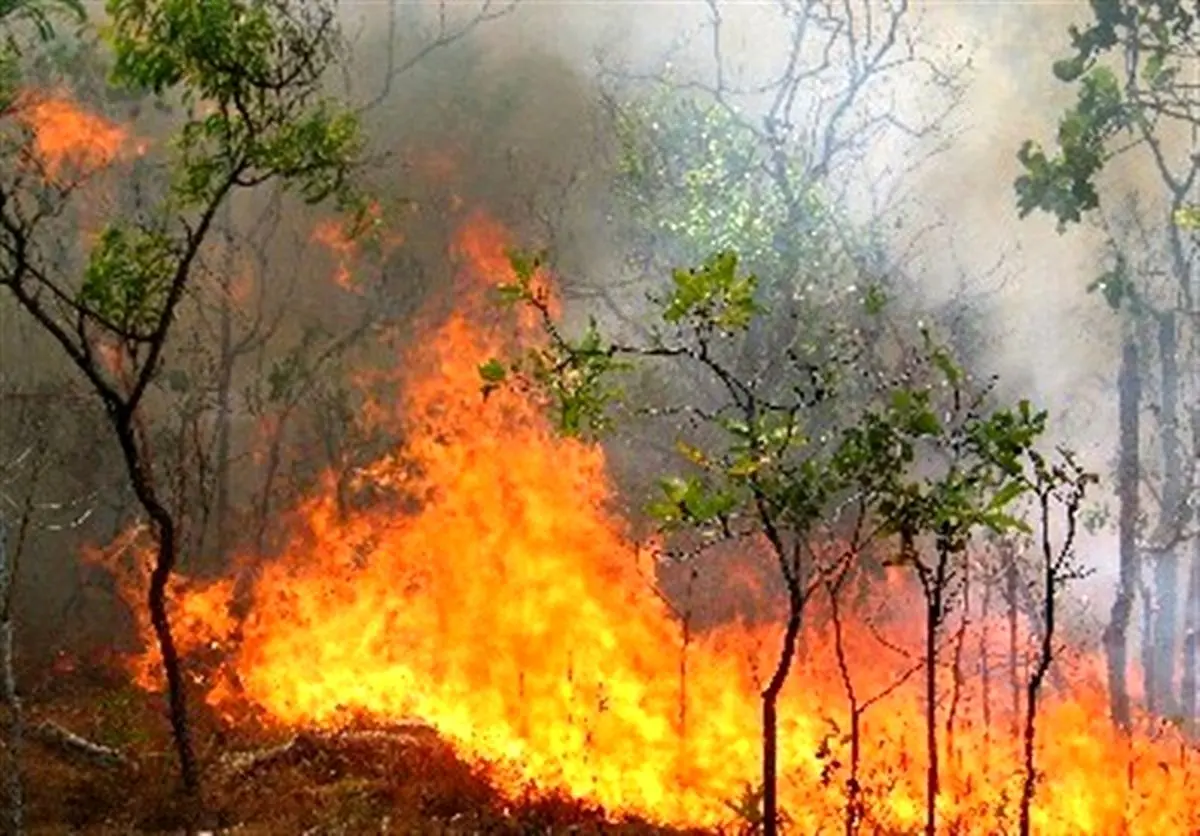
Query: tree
column 1131, row 65
column 250, row 77
column 844, row 449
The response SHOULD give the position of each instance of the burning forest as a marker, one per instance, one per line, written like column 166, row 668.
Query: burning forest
column 393, row 522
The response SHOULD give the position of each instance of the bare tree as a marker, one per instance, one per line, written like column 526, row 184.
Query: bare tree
column 1063, row 485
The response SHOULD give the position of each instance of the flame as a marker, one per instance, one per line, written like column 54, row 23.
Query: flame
column 513, row 613
column 345, row 248
column 66, row 137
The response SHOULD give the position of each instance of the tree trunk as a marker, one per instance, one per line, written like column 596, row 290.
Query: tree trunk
column 164, row 565
column 770, row 701
column 14, row 807
column 228, row 359
column 1116, row 643
column 1050, row 581
column 933, row 614
column 1191, row 644
column 224, row 416
column 1166, row 563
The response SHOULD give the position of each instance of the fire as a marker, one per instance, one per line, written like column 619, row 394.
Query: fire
column 337, row 238
column 512, row 612
column 65, row 136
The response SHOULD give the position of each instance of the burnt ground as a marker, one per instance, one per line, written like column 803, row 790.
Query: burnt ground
column 259, row 781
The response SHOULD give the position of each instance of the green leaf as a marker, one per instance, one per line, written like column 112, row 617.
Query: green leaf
column 1007, row 494
column 493, row 371
column 127, row 278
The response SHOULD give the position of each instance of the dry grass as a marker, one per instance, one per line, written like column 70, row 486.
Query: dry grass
column 403, row 783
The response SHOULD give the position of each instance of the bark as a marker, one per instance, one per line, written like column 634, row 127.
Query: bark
column 985, row 669
column 14, row 808
column 1011, row 582
column 78, row 749
column 1191, row 644
column 1165, row 620
column 1116, row 644
column 770, row 702
column 1051, row 581
column 934, row 585
column 224, row 416
column 164, row 565
column 932, row 775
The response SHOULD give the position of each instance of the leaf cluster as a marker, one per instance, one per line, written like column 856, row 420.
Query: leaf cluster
column 574, row 374
column 128, row 277
column 250, row 73
column 924, row 457
column 1152, row 38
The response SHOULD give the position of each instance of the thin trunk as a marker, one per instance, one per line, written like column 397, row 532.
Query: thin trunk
column 1191, row 644
column 935, row 591
column 1041, row 667
column 770, row 701
column 854, row 805
column 160, row 576
column 986, row 668
column 932, row 611
column 1116, row 643
column 960, row 641
column 1165, row 637
column 1011, row 580
column 14, row 807
column 224, row 418
column 1146, row 593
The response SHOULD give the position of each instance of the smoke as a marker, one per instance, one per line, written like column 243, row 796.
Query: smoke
column 509, row 116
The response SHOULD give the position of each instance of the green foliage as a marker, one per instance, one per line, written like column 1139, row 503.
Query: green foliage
column 40, row 14
column 1063, row 184
column 1187, row 217
column 713, row 295
column 256, row 68
column 15, row 17
column 250, row 74
column 127, row 278
column 696, row 179
column 1115, row 284
column 576, row 375
column 922, row 456
column 1152, row 39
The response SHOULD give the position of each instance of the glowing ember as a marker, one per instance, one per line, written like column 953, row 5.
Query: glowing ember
column 512, row 613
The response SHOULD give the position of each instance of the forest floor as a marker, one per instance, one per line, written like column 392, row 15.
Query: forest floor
column 381, row 781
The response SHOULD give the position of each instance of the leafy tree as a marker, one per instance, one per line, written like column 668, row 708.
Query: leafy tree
column 250, row 77
column 1131, row 66
column 915, row 456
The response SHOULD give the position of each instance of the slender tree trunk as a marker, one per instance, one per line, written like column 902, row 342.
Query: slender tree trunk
column 1146, row 593
column 1116, row 643
column 160, row 576
column 1191, row 644
column 770, row 701
column 1011, row 581
column 932, row 779
column 985, row 667
column 1045, row 656
column 1165, row 628
column 14, row 808
column 227, row 361
column 224, row 417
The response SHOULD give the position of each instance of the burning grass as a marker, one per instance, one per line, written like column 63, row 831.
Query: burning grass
column 378, row 781
column 512, row 614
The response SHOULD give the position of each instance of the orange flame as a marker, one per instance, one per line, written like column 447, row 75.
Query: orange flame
column 345, row 248
column 65, row 136
column 512, row 613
